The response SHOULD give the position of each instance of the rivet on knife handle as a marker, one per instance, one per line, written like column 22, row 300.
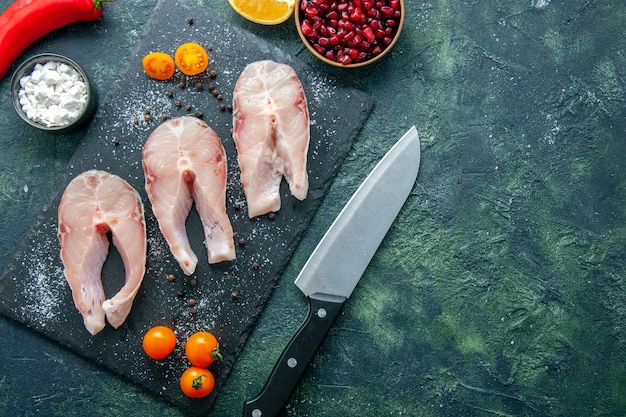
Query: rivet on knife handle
column 323, row 309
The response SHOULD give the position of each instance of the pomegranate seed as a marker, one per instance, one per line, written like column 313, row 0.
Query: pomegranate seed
column 333, row 40
column 391, row 23
column 356, row 15
column 368, row 33
column 386, row 11
column 346, row 60
column 386, row 40
column 311, row 11
column 319, row 48
column 333, row 15
column 323, row 41
column 304, row 4
column 349, row 36
column 306, row 28
column 395, row 4
column 352, row 53
column 330, row 55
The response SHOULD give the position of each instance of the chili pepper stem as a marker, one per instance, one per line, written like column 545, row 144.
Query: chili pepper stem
column 98, row 3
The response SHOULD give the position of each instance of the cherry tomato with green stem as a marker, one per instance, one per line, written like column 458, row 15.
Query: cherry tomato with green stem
column 202, row 349
column 197, row 382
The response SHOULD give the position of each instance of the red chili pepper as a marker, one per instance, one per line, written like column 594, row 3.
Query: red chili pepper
column 25, row 21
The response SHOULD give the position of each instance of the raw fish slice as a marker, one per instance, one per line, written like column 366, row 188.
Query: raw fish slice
column 184, row 161
column 93, row 204
column 271, row 132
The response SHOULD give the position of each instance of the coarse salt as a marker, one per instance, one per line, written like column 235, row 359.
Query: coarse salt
column 53, row 94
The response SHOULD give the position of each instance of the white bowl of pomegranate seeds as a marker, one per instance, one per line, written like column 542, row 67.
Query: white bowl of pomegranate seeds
column 349, row 33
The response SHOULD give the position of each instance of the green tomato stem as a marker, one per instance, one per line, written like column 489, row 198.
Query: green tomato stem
column 216, row 354
column 197, row 381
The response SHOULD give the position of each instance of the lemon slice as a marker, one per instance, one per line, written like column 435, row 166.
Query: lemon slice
column 264, row 12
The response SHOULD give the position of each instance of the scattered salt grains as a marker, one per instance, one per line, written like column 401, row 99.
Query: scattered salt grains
column 53, row 94
column 45, row 288
column 321, row 90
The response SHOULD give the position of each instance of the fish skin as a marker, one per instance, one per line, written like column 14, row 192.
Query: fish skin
column 271, row 130
column 93, row 204
column 184, row 161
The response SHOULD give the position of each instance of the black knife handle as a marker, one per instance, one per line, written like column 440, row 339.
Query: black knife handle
column 323, row 309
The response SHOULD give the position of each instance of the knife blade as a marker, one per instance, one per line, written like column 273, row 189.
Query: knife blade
column 334, row 268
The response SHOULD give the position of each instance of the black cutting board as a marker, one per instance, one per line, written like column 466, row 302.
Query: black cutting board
column 33, row 290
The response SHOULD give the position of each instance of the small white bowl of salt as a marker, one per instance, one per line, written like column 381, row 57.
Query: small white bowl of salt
column 52, row 93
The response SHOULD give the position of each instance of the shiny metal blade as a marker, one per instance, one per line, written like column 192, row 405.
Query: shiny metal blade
column 341, row 257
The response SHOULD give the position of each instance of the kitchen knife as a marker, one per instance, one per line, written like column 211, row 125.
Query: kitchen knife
column 337, row 263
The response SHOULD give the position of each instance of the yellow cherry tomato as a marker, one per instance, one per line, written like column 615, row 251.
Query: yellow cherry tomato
column 202, row 349
column 159, row 342
column 197, row 382
column 158, row 65
column 191, row 58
